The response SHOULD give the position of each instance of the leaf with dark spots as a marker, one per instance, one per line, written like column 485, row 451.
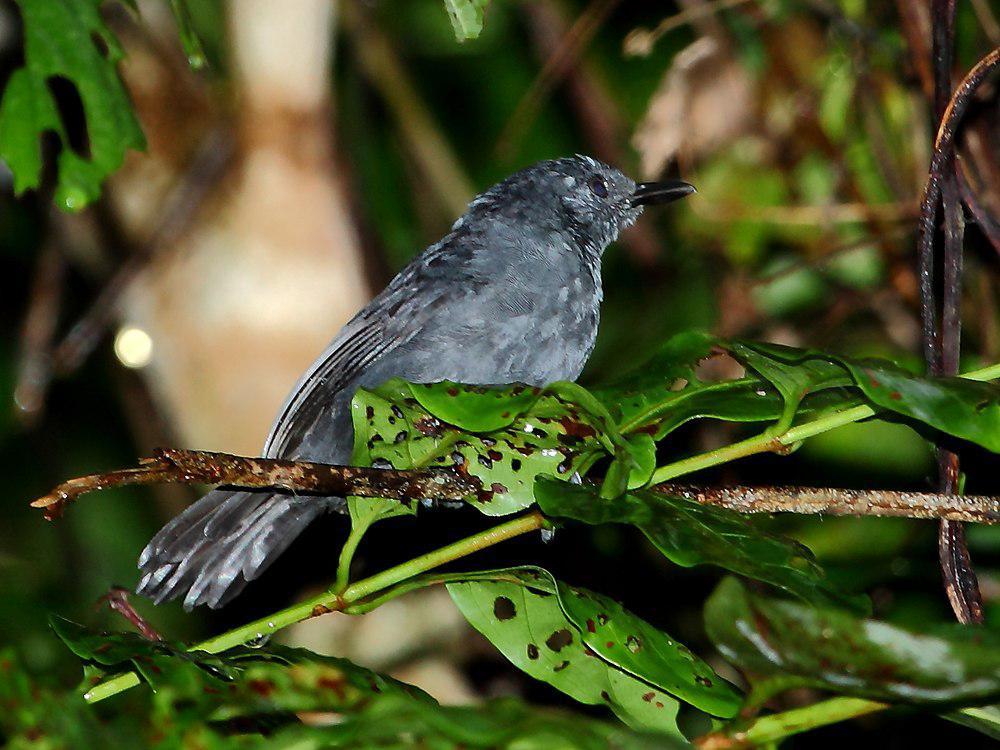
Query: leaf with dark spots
column 566, row 618
column 505, row 461
column 689, row 533
column 834, row 650
column 274, row 679
column 59, row 47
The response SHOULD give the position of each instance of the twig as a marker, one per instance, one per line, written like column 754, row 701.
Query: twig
column 640, row 42
column 34, row 367
column 117, row 601
column 944, row 141
column 768, row 730
column 177, row 465
column 181, row 208
column 562, row 60
column 380, row 64
column 449, row 485
column 841, row 502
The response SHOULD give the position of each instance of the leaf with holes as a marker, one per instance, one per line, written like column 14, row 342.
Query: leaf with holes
column 589, row 647
column 689, row 534
column 70, row 52
column 837, row 651
column 544, row 435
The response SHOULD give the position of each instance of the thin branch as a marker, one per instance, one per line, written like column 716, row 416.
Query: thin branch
column 942, row 346
column 176, row 465
column 943, row 144
column 840, row 502
column 34, row 367
column 117, row 601
column 450, row 485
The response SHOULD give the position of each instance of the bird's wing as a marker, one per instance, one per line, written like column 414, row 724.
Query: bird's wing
column 393, row 318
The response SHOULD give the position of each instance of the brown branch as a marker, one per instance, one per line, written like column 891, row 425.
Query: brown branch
column 34, row 367
column 840, row 502
column 117, row 601
column 177, row 465
column 450, row 485
column 942, row 345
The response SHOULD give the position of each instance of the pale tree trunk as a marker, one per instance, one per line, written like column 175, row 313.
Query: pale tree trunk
column 272, row 268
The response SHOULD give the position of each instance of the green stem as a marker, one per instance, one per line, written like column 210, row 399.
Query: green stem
column 768, row 442
column 332, row 602
column 347, row 554
column 768, row 729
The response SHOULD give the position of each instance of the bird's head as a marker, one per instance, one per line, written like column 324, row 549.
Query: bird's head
column 578, row 196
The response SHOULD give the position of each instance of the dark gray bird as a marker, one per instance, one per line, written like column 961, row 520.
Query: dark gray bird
column 511, row 294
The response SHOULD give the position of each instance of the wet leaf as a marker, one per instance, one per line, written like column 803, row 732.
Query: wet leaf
column 589, row 647
column 276, row 678
column 665, row 393
column 467, row 17
column 551, row 437
column 835, row 650
column 793, row 381
column 690, row 533
column 68, row 47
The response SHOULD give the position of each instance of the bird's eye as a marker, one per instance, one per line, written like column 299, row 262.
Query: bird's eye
column 598, row 187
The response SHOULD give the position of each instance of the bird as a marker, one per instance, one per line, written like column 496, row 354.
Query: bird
column 511, row 294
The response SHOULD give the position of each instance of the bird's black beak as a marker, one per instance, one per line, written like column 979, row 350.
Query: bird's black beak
column 667, row 191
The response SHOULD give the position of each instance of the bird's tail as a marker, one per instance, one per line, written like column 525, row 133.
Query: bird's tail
column 212, row 550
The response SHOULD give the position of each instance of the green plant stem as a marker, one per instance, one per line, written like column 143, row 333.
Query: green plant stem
column 769, row 442
column 347, row 554
column 332, row 602
column 768, row 729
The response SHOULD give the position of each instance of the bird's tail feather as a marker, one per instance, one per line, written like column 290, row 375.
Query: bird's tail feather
column 212, row 550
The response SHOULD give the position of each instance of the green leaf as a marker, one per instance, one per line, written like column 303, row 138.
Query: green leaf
column 61, row 39
column 507, row 724
column 277, row 678
column 467, row 17
column 589, row 647
column 837, row 651
column 665, row 393
column 793, row 381
column 475, row 408
column 544, row 434
column 690, row 533
column 190, row 40
column 985, row 719
column 375, row 417
column 964, row 408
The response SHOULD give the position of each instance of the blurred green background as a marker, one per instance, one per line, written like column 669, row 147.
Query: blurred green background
column 327, row 143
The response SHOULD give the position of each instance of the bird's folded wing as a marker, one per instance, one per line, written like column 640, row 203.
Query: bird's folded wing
column 393, row 318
